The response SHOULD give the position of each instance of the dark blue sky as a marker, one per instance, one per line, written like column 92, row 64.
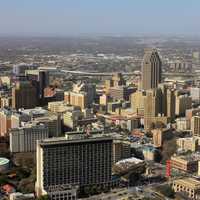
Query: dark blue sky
column 113, row 17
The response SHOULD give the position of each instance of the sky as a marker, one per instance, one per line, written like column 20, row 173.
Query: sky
column 99, row 17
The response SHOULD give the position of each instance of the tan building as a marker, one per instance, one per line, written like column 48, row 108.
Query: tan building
column 171, row 100
column 190, row 186
column 5, row 122
column 159, row 104
column 137, row 102
column 183, row 102
column 103, row 99
column 160, row 135
column 24, row 95
column 58, row 107
column 188, row 144
column 153, row 103
column 187, row 163
column 151, row 69
column 78, row 99
column 6, row 102
column 67, row 97
column 195, row 125
column 116, row 81
column 183, row 124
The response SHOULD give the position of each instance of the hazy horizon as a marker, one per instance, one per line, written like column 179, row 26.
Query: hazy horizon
column 99, row 18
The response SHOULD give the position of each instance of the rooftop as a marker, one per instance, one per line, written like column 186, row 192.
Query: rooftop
column 189, row 182
column 64, row 140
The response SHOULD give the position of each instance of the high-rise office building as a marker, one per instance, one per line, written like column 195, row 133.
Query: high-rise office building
column 24, row 95
column 137, row 102
column 40, row 79
column 151, row 69
column 79, row 99
column 77, row 162
column 159, row 103
column 195, row 125
column 117, row 80
column 121, row 150
column 183, row 103
column 23, row 139
column 19, row 69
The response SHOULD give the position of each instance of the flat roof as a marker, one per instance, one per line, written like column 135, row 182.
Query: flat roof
column 190, row 182
column 64, row 140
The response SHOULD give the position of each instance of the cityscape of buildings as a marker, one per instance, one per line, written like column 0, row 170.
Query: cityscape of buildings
column 93, row 117
column 71, row 134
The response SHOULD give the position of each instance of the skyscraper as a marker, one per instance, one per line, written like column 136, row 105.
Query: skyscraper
column 24, row 95
column 151, row 69
column 81, row 162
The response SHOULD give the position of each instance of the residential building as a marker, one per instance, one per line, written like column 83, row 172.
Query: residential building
column 183, row 102
column 187, row 163
column 190, row 186
column 23, row 139
column 188, row 144
column 78, row 162
column 195, row 125
column 121, row 150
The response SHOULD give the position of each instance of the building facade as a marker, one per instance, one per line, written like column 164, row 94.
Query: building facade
column 81, row 162
column 151, row 69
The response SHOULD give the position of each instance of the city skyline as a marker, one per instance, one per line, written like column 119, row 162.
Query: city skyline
column 118, row 18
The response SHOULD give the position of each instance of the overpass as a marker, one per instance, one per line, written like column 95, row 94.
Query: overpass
column 81, row 73
column 135, row 73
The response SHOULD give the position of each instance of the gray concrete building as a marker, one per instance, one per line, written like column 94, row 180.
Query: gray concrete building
column 23, row 139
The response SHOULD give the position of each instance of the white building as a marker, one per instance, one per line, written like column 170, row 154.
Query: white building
column 23, row 139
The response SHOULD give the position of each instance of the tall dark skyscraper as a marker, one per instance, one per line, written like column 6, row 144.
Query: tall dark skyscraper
column 151, row 69
column 82, row 162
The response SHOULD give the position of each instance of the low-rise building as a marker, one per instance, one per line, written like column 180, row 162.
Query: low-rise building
column 187, row 163
column 20, row 196
column 188, row 144
column 183, row 124
column 190, row 186
column 149, row 153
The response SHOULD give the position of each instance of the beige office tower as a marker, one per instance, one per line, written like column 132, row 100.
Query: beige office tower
column 183, row 103
column 116, row 81
column 153, row 103
column 195, row 125
column 171, row 102
column 151, row 69
column 137, row 102
column 152, row 106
